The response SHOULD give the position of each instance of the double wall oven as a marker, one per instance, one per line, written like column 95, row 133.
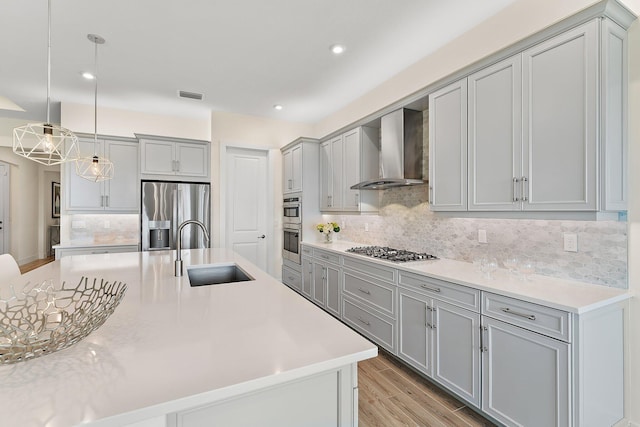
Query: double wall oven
column 292, row 228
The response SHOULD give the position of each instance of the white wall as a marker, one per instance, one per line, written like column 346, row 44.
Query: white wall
column 114, row 122
column 24, row 206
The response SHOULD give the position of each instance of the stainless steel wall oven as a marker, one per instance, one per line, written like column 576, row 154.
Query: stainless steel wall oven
column 292, row 228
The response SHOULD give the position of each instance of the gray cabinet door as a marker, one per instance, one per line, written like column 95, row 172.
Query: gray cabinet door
column 318, row 295
column 296, row 168
column 334, row 288
column 123, row 190
column 157, row 157
column 307, row 277
column 495, row 137
column 414, row 346
column 525, row 376
column 560, row 94
column 456, row 348
column 81, row 194
column 287, row 172
column 337, row 174
column 351, row 144
column 448, row 148
column 326, row 181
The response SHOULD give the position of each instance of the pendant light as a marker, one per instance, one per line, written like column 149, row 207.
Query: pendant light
column 95, row 168
column 46, row 143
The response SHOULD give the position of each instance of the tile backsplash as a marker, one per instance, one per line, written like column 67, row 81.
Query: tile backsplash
column 405, row 221
column 100, row 229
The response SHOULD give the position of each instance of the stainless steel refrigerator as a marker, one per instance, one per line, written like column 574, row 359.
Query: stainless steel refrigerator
column 165, row 205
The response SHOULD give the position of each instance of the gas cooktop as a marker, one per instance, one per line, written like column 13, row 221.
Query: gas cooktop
column 391, row 254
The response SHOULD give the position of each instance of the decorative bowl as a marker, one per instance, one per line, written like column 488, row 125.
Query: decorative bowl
column 41, row 319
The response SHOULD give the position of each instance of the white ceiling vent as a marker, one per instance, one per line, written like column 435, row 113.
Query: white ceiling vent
column 190, row 95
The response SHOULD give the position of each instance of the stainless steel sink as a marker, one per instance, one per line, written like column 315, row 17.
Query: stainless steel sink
column 214, row 274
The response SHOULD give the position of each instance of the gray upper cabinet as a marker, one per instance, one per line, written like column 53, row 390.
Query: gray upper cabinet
column 546, row 128
column 174, row 158
column 495, row 137
column 560, row 122
column 300, row 166
column 346, row 160
column 613, row 121
column 448, row 148
column 119, row 194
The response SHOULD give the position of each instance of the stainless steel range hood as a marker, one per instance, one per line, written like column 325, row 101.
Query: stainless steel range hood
column 401, row 148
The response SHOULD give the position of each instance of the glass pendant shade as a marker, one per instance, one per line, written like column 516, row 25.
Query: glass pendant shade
column 94, row 168
column 46, row 143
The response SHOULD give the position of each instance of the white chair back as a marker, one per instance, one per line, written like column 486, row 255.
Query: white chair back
column 8, row 268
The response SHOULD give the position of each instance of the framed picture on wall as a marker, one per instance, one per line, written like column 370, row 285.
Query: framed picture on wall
column 55, row 200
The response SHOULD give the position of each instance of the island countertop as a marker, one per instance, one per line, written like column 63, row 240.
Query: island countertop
column 170, row 346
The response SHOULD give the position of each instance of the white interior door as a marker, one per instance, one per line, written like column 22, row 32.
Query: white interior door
column 4, row 208
column 246, row 200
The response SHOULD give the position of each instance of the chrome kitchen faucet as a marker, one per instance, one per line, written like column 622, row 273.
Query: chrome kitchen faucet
column 178, row 264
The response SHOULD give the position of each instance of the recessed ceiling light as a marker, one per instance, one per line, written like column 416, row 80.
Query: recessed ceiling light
column 88, row 76
column 277, row 107
column 337, row 49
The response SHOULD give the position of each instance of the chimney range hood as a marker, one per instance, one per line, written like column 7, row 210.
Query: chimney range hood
column 400, row 152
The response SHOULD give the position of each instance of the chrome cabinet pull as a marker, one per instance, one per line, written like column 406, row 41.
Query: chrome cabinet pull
column 357, row 201
column 107, row 201
column 364, row 291
column 525, row 189
column 429, row 288
column 324, row 257
column 291, row 278
column 483, row 348
column 364, row 321
column 515, row 189
column 177, row 165
column 431, row 194
column 290, row 184
column 515, row 313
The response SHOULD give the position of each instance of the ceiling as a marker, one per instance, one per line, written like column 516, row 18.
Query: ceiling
column 244, row 56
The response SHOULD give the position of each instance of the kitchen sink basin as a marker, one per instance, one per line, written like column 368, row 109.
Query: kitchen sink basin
column 215, row 274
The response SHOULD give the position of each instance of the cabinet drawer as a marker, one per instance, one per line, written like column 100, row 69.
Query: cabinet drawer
column 377, row 327
column 538, row 318
column 372, row 269
column 307, row 251
column 292, row 278
column 462, row 296
column 372, row 291
column 326, row 256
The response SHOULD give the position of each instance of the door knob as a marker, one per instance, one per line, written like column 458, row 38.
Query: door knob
column 262, row 237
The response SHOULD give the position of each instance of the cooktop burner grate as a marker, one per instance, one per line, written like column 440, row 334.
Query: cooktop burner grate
column 391, row 254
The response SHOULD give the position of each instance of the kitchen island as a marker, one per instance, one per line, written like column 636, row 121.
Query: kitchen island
column 247, row 353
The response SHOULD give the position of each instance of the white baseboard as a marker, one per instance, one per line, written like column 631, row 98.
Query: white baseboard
column 27, row 260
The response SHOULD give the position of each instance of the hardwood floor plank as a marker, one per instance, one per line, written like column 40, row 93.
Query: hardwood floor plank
column 392, row 394
column 376, row 411
column 472, row 418
column 35, row 264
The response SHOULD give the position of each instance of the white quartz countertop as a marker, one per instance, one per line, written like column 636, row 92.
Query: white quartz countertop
column 170, row 346
column 571, row 296
column 96, row 244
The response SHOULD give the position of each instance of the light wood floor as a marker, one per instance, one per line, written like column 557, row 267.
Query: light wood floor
column 391, row 394
column 35, row 264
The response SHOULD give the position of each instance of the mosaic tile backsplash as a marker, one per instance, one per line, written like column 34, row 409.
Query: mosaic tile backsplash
column 405, row 221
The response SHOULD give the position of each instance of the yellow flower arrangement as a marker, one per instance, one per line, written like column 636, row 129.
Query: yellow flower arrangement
column 328, row 227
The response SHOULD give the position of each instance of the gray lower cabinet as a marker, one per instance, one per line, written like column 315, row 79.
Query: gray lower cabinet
column 307, row 276
column 442, row 341
column 325, row 290
column 525, row 376
column 370, row 301
column 292, row 278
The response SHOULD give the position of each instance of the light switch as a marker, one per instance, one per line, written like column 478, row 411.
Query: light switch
column 482, row 236
column 366, row 226
column 107, row 224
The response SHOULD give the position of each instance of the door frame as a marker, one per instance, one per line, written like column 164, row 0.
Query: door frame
column 6, row 183
column 272, row 240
